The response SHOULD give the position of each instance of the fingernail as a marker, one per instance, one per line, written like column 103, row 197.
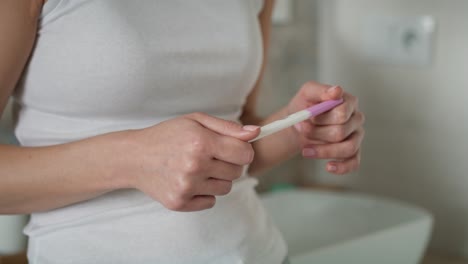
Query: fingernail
column 309, row 152
column 332, row 168
column 331, row 89
column 250, row 128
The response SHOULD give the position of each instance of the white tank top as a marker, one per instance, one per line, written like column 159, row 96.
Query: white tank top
column 108, row 65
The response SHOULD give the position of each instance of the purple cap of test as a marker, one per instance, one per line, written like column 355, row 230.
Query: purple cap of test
column 323, row 107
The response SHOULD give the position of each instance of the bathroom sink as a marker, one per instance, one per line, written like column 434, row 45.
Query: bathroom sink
column 330, row 227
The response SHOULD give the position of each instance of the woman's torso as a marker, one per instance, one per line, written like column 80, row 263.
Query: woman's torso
column 107, row 65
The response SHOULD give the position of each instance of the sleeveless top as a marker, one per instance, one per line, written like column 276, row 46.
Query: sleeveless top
column 108, row 65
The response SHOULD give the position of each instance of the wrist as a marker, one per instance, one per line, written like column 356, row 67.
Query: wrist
column 114, row 154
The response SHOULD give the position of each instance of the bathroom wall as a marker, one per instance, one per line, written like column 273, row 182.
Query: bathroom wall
column 6, row 125
column 292, row 61
column 417, row 119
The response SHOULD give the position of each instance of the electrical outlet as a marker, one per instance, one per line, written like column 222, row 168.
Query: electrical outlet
column 398, row 40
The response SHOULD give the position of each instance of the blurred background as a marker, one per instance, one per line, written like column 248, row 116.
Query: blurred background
column 407, row 61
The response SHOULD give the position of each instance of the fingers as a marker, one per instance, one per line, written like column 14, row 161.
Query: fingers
column 201, row 195
column 224, row 127
column 212, row 159
column 191, row 194
column 336, row 134
column 207, row 144
column 333, row 133
column 345, row 166
column 197, row 158
column 314, row 92
column 214, row 187
column 340, row 114
column 342, row 150
column 197, row 203
column 232, row 150
column 223, row 170
column 346, row 155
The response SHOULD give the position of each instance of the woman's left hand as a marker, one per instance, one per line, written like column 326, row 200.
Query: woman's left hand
column 335, row 135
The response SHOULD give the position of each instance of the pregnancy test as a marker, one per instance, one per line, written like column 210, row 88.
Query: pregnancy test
column 297, row 117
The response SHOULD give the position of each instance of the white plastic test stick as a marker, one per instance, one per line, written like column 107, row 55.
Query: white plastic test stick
column 297, row 117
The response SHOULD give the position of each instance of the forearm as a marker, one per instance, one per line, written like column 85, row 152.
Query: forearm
column 274, row 149
column 36, row 179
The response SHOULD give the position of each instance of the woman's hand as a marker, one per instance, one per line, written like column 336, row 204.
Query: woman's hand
column 185, row 162
column 335, row 135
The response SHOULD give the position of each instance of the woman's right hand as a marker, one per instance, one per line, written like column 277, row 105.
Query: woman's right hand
column 185, row 162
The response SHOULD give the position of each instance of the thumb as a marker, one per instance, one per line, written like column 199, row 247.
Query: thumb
column 314, row 92
column 333, row 93
column 225, row 127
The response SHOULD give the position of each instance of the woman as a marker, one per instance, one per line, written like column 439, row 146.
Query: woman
column 128, row 115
